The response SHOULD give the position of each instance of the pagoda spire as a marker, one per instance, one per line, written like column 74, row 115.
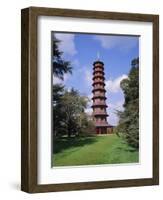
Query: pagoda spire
column 98, row 55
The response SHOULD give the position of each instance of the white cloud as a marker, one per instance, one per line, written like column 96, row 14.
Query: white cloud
column 89, row 111
column 90, row 96
column 67, row 44
column 75, row 63
column 57, row 80
column 88, row 77
column 90, row 102
column 124, row 43
column 113, row 118
column 114, row 85
column 116, row 106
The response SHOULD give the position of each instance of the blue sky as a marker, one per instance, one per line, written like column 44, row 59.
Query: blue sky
column 116, row 51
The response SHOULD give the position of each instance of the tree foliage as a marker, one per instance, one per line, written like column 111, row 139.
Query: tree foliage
column 129, row 118
column 69, row 117
column 60, row 66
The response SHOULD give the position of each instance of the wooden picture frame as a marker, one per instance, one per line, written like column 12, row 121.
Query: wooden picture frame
column 29, row 87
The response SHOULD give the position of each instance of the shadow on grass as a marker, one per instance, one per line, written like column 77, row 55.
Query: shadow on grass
column 64, row 143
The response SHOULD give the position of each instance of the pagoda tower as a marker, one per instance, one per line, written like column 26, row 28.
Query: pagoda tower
column 99, row 99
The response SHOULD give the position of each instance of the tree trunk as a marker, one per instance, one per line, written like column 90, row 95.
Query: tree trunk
column 69, row 131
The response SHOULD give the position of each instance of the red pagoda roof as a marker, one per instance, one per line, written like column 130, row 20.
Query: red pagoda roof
column 99, row 105
column 98, row 71
column 104, row 113
column 98, row 82
column 105, row 124
column 99, row 88
column 98, row 96
column 98, row 76
column 98, row 66
column 98, row 62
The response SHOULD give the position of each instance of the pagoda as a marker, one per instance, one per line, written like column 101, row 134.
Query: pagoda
column 99, row 99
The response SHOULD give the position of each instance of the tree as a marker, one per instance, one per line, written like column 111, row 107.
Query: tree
column 88, row 127
column 68, row 112
column 58, row 92
column 60, row 67
column 129, row 118
column 73, row 106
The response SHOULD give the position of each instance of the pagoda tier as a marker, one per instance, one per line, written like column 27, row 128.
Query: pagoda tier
column 100, row 114
column 102, row 72
column 97, row 82
column 98, row 76
column 98, row 88
column 99, row 99
column 99, row 104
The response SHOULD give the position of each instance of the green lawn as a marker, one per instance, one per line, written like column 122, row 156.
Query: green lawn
column 96, row 150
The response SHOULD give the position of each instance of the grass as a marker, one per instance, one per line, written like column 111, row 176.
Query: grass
column 109, row 149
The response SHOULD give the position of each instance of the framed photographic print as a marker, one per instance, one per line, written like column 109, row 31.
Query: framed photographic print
column 90, row 99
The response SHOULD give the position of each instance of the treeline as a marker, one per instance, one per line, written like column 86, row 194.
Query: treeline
column 69, row 117
column 128, row 126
